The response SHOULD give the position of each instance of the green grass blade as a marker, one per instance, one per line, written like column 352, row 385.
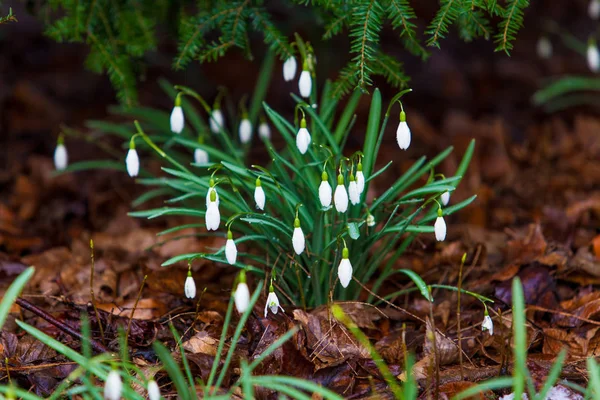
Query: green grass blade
column 169, row 364
column 262, row 85
column 369, row 150
column 553, row 375
column 492, row 384
column 10, row 296
column 520, row 338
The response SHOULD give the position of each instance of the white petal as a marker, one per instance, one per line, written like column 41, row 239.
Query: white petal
column 340, row 198
column 445, row 197
column 488, row 324
column 353, row 192
column 289, row 69
column 61, row 158
column 113, row 386
column 132, row 162
column 370, row 220
column 259, row 197
column 177, row 120
column 213, row 217
column 216, row 197
column 305, row 84
column 200, row 157
column 242, row 297
column 325, row 193
column 230, row 251
column 544, row 48
column 440, row 229
column 360, row 181
column 345, row 272
column 298, row 240
column 216, row 120
column 189, row 287
column 594, row 9
column 593, row 58
column 264, row 132
column 153, row 390
column 303, row 140
column 272, row 304
column 403, row 135
column 245, row 131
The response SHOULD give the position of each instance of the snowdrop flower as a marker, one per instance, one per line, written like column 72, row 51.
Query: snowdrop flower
column 593, row 57
column 298, row 241
column 303, row 137
column 440, row 227
column 153, row 390
column 132, row 161
column 61, row 158
column 213, row 217
column 272, row 302
column 177, row 120
column 189, row 288
column 217, row 121
column 487, row 324
column 259, row 195
column 211, row 184
column 345, row 269
column 264, row 132
column 594, row 9
column 113, row 386
column 200, row 156
column 353, row 191
column 325, row 191
column 241, row 296
column 340, row 198
column 544, row 48
column 305, row 82
column 403, row 132
column 230, row 249
column 245, row 130
column 289, row 69
column 360, row 178
column 445, row 197
column 370, row 220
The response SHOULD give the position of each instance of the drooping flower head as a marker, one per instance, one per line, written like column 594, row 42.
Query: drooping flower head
column 303, row 137
column 370, row 220
column 113, row 386
column 177, row 119
column 211, row 184
column 289, row 68
column 305, row 81
column 360, row 178
column 345, row 268
column 241, row 296
column 230, row 249
column 189, row 288
column 487, row 324
column 153, row 390
column 272, row 302
column 593, row 56
column 264, row 132
column 544, row 47
column 594, row 9
column 445, row 197
column 217, row 121
column 298, row 241
column 245, row 129
column 325, row 190
column 132, row 161
column 403, row 132
column 353, row 192
column 212, row 216
column 259, row 195
column 61, row 158
column 340, row 197
column 440, row 227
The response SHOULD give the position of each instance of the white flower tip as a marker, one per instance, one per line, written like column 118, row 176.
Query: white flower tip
column 544, row 48
column 153, row 390
column 594, row 9
column 213, row 216
column 345, row 272
column 272, row 304
column 200, row 157
column 259, row 197
column 189, row 287
column 216, row 120
column 593, row 57
column 113, row 386
column 177, row 120
column 305, row 84
column 264, row 132
column 403, row 136
column 61, row 158
column 325, row 194
column 487, row 325
column 132, row 162
column 370, row 220
column 298, row 241
column 303, row 140
column 230, row 251
column 445, row 197
column 353, row 193
column 245, row 131
column 340, row 199
column 440, row 229
column 289, row 69
column 242, row 297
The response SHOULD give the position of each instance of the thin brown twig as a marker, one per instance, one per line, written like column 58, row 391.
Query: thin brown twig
column 99, row 347
column 92, row 292
column 135, row 305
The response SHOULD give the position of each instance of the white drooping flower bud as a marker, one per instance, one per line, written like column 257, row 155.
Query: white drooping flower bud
column 153, row 390
column 298, row 241
column 403, row 132
column 245, row 130
column 325, row 191
column 272, row 302
column 230, row 249
column 211, row 184
column 370, row 220
column 305, row 84
column 259, row 195
column 132, row 162
column 213, row 216
column 593, row 57
column 177, row 120
column 61, row 158
column 445, row 197
column 544, row 48
column 353, row 191
column 217, row 121
column 189, row 288
column 487, row 324
column 440, row 227
column 241, row 295
column 594, row 9
column 289, row 68
column 360, row 178
column 345, row 269
column 113, row 386
column 340, row 197
column 303, row 137
column 200, row 157
column 264, row 132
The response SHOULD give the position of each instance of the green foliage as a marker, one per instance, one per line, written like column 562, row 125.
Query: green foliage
column 121, row 34
column 10, row 17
